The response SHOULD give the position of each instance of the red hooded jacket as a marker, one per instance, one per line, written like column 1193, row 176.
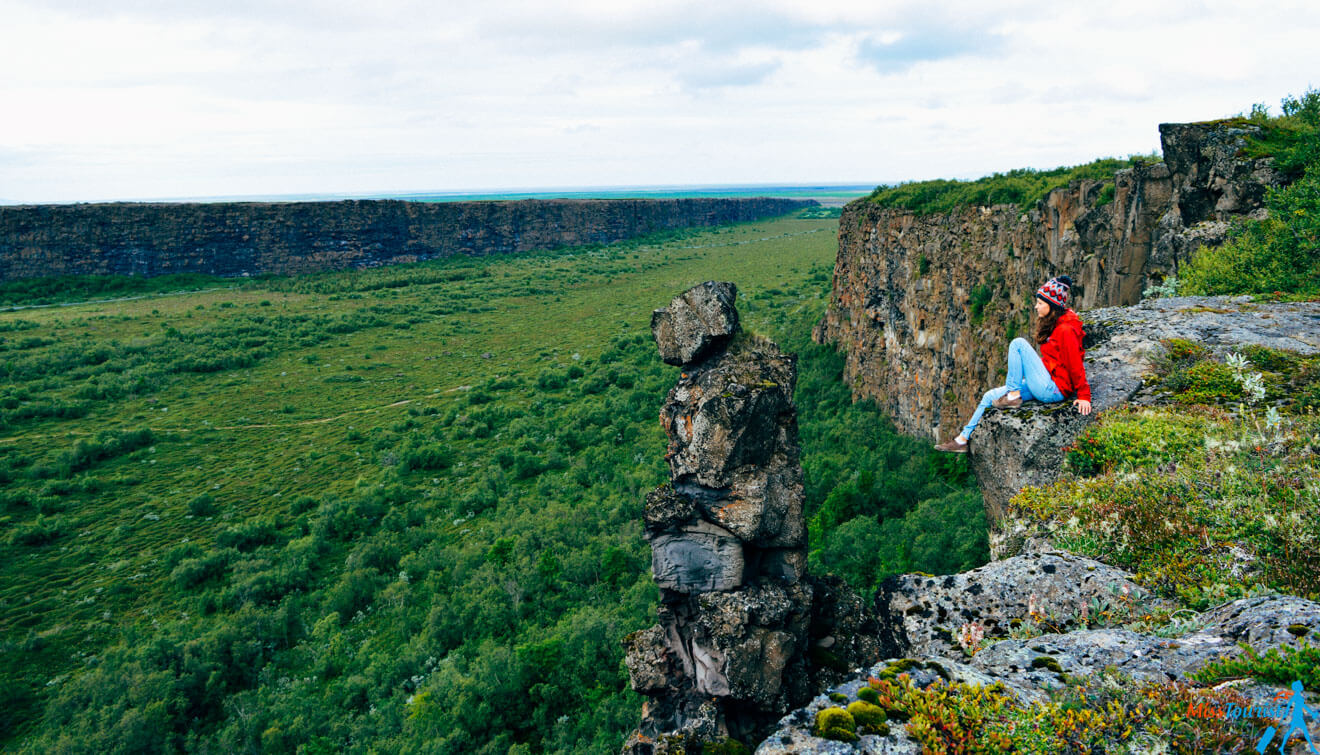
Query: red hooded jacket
column 1062, row 355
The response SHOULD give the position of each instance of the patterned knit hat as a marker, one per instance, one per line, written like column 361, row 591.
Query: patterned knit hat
column 1055, row 291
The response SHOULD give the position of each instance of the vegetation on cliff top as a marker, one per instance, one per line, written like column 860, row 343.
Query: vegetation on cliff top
column 1203, row 503
column 1280, row 254
column 1023, row 187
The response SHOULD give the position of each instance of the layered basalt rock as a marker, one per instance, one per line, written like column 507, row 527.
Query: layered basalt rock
column 728, row 540
column 924, row 306
column 250, row 238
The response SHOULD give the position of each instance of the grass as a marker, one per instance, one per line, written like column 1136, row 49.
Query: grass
column 1202, row 505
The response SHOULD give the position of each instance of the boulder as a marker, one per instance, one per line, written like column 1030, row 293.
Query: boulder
column 695, row 323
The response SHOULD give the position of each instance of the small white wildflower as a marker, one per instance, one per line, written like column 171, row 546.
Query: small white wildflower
column 1272, row 418
column 970, row 636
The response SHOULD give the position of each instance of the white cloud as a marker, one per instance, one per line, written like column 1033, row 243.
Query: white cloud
column 164, row 98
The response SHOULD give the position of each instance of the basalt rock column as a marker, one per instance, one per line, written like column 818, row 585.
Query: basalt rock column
column 727, row 536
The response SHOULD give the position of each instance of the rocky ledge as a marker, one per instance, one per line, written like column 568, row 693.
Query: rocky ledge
column 1024, row 669
column 1019, row 447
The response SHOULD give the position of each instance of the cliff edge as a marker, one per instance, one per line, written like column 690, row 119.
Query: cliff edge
column 924, row 306
column 251, row 238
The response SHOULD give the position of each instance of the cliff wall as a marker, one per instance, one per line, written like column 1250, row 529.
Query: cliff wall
column 924, row 306
column 248, row 238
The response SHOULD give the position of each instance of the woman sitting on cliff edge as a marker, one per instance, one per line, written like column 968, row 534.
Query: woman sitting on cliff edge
column 1050, row 376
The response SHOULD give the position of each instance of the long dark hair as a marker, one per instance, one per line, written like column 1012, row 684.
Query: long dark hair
column 1045, row 326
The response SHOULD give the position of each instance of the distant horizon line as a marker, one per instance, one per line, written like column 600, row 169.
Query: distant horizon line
column 553, row 192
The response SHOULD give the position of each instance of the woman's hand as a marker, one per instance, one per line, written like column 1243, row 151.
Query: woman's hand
column 1083, row 406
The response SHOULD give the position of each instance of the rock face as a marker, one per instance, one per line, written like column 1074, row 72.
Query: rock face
column 925, row 306
column 249, row 238
column 1018, row 447
column 728, row 540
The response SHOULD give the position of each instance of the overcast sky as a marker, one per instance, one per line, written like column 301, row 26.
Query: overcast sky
column 133, row 99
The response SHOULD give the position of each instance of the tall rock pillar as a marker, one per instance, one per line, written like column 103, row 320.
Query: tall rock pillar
column 728, row 539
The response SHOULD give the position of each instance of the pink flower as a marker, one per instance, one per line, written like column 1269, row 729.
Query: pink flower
column 970, row 636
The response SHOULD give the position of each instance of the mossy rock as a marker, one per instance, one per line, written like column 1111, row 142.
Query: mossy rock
column 1298, row 630
column 838, row 697
column 835, row 723
column 869, row 717
column 725, row 747
column 869, row 694
column 1047, row 662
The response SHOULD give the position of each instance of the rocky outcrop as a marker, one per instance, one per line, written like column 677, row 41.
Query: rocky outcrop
column 250, row 238
column 1030, row 665
column 727, row 535
column 1018, row 447
column 924, row 306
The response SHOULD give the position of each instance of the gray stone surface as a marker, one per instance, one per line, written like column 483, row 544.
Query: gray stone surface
column 920, row 615
column 736, row 411
column 762, row 506
column 698, row 558
column 696, row 323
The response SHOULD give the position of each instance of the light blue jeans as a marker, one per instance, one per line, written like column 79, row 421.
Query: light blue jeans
column 1027, row 374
